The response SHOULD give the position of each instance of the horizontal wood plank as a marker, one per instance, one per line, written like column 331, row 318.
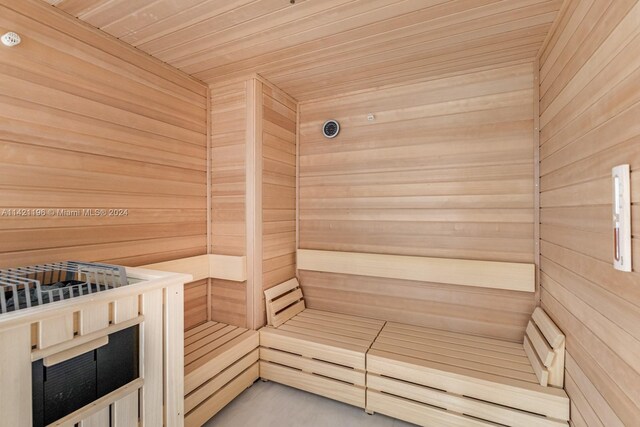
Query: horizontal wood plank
column 496, row 275
column 89, row 124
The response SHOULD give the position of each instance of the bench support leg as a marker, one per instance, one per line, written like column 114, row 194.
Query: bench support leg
column 369, row 411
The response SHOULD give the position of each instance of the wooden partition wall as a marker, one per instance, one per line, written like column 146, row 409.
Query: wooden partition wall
column 590, row 105
column 279, row 126
column 228, row 195
column 87, row 122
column 253, row 188
column 444, row 169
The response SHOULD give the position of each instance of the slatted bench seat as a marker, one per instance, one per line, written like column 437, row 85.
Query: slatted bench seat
column 434, row 377
column 220, row 361
column 316, row 351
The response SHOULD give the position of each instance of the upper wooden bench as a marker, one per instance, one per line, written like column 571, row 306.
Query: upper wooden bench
column 316, row 351
column 434, row 377
column 221, row 361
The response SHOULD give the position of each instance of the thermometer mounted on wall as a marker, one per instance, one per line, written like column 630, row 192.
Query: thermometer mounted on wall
column 621, row 217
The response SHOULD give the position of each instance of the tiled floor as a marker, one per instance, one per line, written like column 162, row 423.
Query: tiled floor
column 267, row 404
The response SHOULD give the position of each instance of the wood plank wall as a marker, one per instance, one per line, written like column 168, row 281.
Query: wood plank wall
column 195, row 303
column 88, row 122
column 278, row 129
column 445, row 170
column 590, row 104
column 228, row 190
column 253, row 188
column 253, row 193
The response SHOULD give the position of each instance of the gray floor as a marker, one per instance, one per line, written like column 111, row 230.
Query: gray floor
column 267, row 404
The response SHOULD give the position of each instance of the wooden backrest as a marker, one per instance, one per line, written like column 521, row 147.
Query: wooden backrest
column 283, row 301
column 465, row 272
column 544, row 346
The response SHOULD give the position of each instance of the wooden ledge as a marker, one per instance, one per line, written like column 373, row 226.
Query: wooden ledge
column 485, row 274
column 211, row 266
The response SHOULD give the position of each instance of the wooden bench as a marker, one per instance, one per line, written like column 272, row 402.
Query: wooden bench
column 221, row 361
column 433, row 377
column 417, row 374
column 316, row 351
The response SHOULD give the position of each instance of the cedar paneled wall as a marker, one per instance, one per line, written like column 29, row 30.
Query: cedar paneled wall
column 446, row 170
column 278, row 190
column 253, row 177
column 195, row 303
column 590, row 105
column 88, row 122
column 228, row 191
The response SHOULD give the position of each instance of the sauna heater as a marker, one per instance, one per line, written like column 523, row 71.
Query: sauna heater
column 60, row 387
column 25, row 287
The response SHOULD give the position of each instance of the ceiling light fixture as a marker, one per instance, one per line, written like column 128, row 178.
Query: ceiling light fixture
column 11, row 39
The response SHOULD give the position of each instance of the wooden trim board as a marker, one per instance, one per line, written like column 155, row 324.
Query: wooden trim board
column 487, row 274
column 209, row 170
column 100, row 404
column 212, row 266
column 228, row 267
column 197, row 266
column 536, row 175
column 253, row 197
column 254, row 205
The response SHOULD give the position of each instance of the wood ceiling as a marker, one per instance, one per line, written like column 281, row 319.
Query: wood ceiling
column 315, row 48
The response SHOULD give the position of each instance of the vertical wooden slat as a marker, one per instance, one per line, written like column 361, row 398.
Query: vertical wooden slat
column 55, row 330
column 174, row 356
column 152, row 411
column 209, row 300
column 258, row 308
column 15, row 367
column 209, row 145
column 125, row 309
column 297, row 182
column 99, row 419
column 253, row 199
column 536, row 174
column 124, row 412
column 94, row 318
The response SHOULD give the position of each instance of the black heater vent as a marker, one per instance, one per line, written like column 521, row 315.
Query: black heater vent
column 62, row 389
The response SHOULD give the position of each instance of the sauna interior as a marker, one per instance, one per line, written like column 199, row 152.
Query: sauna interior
column 319, row 213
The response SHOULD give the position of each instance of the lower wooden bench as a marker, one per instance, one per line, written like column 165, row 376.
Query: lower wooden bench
column 221, row 361
column 434, row 377
column 425, row 376
column 316, row 351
